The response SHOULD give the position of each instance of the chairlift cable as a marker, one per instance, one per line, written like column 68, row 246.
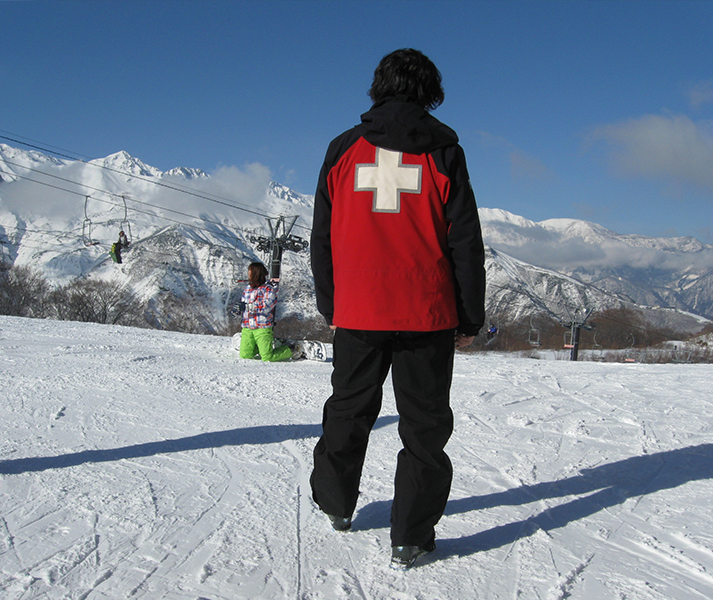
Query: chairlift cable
column 180, row 189
column 139, row 210
column 175, row 187
column 276, row 243
column 53, row 234
column 111, row 194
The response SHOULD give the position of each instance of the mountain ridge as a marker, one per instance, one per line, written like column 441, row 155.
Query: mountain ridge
column 667, row 272
column 194, row 239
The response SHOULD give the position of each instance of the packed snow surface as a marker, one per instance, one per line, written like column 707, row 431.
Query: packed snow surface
column 158, row 465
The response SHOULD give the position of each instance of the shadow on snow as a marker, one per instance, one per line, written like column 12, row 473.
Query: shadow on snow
column 605, row 486
column 262, row 434
column 598, row 488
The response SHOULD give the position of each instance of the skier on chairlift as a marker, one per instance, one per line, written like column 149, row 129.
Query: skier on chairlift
column 117, row 246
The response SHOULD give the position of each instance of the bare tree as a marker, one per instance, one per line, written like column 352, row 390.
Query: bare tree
column 23, row 292
column 96, row 301
column 189, row 313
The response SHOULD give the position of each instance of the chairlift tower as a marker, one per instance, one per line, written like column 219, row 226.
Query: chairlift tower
column 280, row 239
column 575, row 325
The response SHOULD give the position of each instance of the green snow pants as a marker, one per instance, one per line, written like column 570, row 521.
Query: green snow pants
column 259, row 341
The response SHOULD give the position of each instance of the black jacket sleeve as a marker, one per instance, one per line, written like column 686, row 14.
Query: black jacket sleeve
column 321, row 238
column 321, row 247
column 465, row 242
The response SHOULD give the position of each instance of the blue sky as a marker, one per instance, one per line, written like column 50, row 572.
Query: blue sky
column 596, row 110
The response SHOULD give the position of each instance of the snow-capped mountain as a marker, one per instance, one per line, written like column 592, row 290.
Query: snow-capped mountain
column 190, row 233
column 186, row 173
column 123, row 162
column 194, row 234
column 668, row 272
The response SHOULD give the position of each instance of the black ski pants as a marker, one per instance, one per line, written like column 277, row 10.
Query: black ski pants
column 422, row 371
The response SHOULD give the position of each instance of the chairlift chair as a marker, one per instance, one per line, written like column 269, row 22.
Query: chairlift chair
column 237, row 275
column 87, row 226
column 5, row 261
column 491, row 335
column 597, row 352
column 125, row 224
column 533, row 336
column 630, row 353
column 568, row 339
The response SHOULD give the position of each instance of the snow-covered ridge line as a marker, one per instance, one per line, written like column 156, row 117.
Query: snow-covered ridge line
column 561, row 262
column 666, row 272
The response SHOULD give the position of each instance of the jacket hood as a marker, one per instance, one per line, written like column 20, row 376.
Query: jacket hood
column 397, row 124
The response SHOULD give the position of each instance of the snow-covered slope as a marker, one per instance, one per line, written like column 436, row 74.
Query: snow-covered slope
column 150, row 464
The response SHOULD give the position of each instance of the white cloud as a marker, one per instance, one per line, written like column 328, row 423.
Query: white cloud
column 34, row 193
column 670, row 148
column 40, row 192
column 564, row 255
column 701, row 93
column 523, row 166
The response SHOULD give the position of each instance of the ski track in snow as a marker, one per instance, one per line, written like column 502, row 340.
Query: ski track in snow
column 157, row 465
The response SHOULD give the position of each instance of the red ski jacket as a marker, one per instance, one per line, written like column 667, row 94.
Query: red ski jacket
column 396, row 242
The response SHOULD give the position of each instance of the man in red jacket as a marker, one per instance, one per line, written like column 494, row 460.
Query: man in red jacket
column 397, row 257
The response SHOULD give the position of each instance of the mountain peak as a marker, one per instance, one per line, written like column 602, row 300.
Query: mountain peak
column 503, row 216
column 124, row 162
column 186, row 173
column 282, row 192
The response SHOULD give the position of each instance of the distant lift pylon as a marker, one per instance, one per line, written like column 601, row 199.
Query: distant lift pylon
column 280, row 239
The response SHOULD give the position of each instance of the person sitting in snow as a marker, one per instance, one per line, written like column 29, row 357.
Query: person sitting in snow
column 258, row 304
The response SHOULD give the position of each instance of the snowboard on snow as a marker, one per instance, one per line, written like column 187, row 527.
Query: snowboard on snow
column 310, row 349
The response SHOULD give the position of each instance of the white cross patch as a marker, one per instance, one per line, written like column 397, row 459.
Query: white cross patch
column 388, row 177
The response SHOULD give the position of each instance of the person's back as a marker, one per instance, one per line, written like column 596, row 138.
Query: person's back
column 397, row 257
column 259, row 304
column 390, row 220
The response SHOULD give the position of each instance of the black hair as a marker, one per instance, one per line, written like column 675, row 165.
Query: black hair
column 408, row 72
